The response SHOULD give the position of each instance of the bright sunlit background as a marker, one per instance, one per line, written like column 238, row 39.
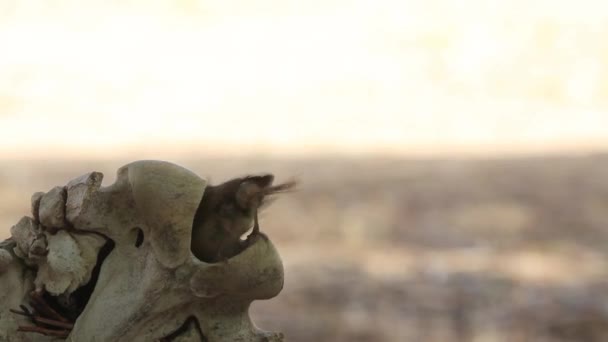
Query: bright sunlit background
column 299, row 77
column 452, row 155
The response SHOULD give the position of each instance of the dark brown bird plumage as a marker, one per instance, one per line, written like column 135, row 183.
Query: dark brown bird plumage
column 226, row 212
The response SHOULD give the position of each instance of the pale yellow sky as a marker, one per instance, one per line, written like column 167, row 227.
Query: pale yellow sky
column 406, row 77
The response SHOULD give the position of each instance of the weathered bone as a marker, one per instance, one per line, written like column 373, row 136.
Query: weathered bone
column 150, row 287
column 52, row 208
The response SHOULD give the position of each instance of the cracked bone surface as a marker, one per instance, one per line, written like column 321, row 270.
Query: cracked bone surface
column 149, row 286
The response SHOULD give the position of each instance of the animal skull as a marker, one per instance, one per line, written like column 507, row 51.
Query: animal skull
column 150, row 286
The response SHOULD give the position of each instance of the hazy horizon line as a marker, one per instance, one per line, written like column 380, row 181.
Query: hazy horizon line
column 190, row 153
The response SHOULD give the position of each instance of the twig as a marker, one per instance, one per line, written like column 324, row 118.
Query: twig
column 45, row 331
column 38, row 319
column 40, row 305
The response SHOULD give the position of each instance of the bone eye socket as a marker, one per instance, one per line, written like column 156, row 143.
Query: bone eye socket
column 139, row 236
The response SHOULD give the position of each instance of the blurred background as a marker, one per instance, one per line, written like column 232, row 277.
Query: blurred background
column 453, row 155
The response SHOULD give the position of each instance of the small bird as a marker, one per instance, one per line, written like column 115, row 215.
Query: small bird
column 229, row 210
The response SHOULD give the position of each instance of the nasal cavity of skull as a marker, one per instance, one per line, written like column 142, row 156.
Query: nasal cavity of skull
column 82, row 295
column 138, row 236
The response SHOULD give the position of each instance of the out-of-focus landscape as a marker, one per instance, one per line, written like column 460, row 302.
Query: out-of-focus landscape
column 452, row 155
